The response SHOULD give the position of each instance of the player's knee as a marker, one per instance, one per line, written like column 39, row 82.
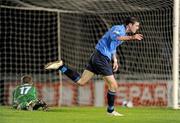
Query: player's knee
column 81, row 82
column 113, row 87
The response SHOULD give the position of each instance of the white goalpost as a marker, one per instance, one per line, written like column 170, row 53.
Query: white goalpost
column 176, row 54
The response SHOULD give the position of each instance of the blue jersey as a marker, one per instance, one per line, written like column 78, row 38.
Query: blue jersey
column 108, row 43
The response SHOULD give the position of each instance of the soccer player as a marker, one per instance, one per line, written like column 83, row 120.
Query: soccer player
column 25, row 96
column 99, row 63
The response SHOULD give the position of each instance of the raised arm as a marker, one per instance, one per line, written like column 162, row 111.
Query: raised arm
column 128, row 38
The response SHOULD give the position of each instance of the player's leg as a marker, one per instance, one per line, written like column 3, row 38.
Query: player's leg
column 112, row 88
column 22, row 106
column 40, row 104
column 59, row 65
column 72, row 74
column 24, row 103
column 25, row 106
column 86, row 76
column 32, row 105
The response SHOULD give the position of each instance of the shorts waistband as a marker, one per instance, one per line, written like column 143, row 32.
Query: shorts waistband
column 98, row 52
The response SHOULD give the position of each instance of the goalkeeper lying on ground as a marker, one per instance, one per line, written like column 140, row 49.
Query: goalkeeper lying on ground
column 25, row 96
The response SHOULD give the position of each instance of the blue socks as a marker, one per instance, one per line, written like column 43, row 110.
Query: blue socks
column 73, row 75
column 110, row 98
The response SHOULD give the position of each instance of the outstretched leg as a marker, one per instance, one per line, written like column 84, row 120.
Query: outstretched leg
column 58, row 65
column 72, row 74
column 86, row 76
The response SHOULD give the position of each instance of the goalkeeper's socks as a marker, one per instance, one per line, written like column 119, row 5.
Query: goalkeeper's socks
column 110, row 98
column 73, row 75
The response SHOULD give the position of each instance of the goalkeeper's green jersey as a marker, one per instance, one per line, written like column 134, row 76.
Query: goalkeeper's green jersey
column 24, row 93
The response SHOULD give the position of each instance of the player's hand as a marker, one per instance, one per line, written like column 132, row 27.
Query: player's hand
column 138, row 37
column 115, row 66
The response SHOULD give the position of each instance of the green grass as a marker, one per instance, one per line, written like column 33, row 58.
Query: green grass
column 89, row 115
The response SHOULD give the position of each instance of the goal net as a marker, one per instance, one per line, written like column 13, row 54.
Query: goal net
column 36, row 32
column 28, row 41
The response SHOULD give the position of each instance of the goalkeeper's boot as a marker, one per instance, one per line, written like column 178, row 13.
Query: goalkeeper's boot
column 53, row 65
column 114, row 113
column 40, row 103
column 44, row 105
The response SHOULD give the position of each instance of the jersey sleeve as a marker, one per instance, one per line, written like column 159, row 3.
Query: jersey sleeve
column 34, row 92
column 115, row 32
column 114, row 51
column 14, row 99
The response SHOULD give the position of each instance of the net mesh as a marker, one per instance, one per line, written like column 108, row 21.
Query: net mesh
column 149, row 59
column 30, row 39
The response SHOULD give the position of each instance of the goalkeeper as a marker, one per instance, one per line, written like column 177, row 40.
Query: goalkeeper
column 25, row 96
column 100, row 60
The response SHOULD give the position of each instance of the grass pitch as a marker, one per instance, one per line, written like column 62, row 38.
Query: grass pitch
column 89, row 115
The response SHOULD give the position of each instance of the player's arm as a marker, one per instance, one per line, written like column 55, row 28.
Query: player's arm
column 128, row 38
column 114, row 57
column 14, row 101
column 13, row 97
column 115, row 63
column 119, row 34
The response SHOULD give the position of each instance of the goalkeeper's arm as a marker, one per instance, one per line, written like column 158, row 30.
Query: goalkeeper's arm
column 14, row 101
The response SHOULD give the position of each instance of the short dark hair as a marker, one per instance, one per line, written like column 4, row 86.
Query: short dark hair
column 131, row 19
column 26, row 79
